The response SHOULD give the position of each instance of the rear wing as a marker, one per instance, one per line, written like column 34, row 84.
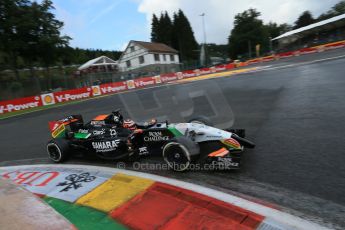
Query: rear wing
column 59, row 128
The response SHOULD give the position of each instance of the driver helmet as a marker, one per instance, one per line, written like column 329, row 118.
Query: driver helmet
column 116, row 119
column 129, row 124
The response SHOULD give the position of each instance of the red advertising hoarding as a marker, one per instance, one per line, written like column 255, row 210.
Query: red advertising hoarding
column 20, row 104
column 144, row 82
column 169, row 77
column 72, row 95
column 114, row 87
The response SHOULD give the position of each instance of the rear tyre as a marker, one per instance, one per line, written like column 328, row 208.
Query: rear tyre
column 58, row 150
column 201, row 120
column 180, row 152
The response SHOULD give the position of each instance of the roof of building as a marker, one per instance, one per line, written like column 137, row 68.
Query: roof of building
column 311, row 27
column 156, row 47
column 99, row 61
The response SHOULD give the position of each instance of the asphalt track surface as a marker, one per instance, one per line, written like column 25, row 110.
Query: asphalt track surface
column 293, row 109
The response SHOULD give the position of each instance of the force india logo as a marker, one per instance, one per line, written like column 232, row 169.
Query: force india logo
column 156, row 136
column 105, row 146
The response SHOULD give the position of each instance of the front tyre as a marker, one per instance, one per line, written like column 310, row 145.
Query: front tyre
column 58, row 150
column 180, row 152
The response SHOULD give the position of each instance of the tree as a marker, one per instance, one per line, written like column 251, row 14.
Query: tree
column 175, row 38
column 248, row 31
column 161, row 29
column 274, row 30
column 177, row 33
column 50, row 40
column 165, row 29
column 154, row 28
column 30, row 32
column 305, row 19
column 339, row 8
column 183, row 38
column 336, row 10
column 49, row 37
column 12, row 15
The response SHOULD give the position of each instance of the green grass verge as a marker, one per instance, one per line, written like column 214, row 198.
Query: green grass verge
column 84, row 218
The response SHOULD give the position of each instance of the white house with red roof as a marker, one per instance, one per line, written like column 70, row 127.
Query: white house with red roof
column 142, row 56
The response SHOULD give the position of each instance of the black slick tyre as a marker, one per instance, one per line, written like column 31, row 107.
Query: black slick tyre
column 180, row 152
column 58, row 150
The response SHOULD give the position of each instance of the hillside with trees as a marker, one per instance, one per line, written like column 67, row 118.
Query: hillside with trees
column 249, row 30
column 30, row 37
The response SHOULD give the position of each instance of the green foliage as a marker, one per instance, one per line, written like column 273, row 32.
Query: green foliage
column 155, row 26
column 215, row 50
column 13, row 16
column 274, row 30
column 336, row 10
column 183, row 38
column 73, row 56
column 30, row 36
column 30, row 31
column 161, row 29
column 305, row 19
column 248, row 31
column 15, row 86
column 166, row 28
column 248, row 28
column 177, row 33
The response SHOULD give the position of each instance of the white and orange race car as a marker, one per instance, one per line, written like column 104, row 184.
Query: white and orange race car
column 180, row 144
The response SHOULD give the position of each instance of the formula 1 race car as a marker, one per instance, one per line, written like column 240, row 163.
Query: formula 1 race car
column 180, row 144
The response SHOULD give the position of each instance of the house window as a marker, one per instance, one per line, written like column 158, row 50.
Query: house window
column 156, row 57
column 128, row 63
column 164, row 57
column 132, row 48
column 172, row 57
column 141, row 59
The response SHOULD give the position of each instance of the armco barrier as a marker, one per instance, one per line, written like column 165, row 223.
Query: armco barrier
column 116, row 87
column 108, row 88
column 103, row 89
column 72, row 95
column 20, row 104
column 144, row 82
column 307, row 50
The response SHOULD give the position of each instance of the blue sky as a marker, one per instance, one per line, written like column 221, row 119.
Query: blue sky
column 110, row 24
column 105, row 24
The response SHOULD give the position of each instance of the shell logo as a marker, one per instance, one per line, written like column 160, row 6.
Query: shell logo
column 179, row 75
column 158, row 79
column 130, row 84
column 48, row 99
column 95, row 90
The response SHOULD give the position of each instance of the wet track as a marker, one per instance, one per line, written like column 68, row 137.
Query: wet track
column 293, row 109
